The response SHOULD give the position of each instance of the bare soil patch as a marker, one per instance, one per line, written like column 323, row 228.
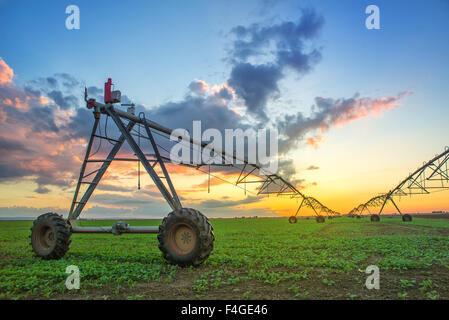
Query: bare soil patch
column 319, row 285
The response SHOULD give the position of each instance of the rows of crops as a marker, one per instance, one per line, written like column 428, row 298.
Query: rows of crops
column 252, row 258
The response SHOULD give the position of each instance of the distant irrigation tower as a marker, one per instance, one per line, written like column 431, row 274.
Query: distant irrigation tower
column 432, row 176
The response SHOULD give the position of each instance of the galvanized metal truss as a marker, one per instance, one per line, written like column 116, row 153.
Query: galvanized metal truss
column 273, row 184
column 432, row 176
column 268, row 183
column 93, row 177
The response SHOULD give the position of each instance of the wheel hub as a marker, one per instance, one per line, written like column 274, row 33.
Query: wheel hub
column 46, row 237
column 182, row 238
column 49, row 237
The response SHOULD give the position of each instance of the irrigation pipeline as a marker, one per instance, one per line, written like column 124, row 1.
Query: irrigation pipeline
column 268, row 183
column 432, row 176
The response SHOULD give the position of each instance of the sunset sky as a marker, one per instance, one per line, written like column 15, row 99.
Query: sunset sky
column 357, row 110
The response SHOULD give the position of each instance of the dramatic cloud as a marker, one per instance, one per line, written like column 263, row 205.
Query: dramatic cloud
column 342, row 111
column 261, row 55
column 328, row 112
column 44, row 129
column 36, row 133
column 312, row 167
column 255, row 84
column 284, row 45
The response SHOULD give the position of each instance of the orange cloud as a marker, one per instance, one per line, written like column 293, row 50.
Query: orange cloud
column 199, row 86
column 328, row 112
column 20, row 104
column 347, row 111
column 315, row 141
column 6, row 73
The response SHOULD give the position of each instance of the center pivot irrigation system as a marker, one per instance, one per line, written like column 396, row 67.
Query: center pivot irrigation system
column 432, row 176
column 185, row 236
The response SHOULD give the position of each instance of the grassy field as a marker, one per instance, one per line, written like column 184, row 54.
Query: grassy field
column 252, row 259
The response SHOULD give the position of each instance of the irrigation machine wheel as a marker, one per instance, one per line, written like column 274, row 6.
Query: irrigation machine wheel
column 320, row 219
column 186, row 237
column 375, row 218
column 292, row 219
column 50, row 236
column 406, row 218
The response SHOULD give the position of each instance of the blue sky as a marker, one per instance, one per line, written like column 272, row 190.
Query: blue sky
column 154, row 49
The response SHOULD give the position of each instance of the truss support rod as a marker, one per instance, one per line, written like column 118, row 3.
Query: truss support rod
column 383, row 205
column 175, row 205
column 396, row 206
column 389, row 197
column 311, row 206
column 297, row 211
column 444, row 161
column 75, row 214
column 364, row 207
column 238, row 179
column 83, row 166
column 161, row 163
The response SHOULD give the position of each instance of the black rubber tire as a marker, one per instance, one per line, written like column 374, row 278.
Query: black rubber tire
column 375, row 218
column 204, row 237
column 330, row 217
column 56, row 244
column 359, row 216
column 320, row 219
column 292, row 219
column 406, row 218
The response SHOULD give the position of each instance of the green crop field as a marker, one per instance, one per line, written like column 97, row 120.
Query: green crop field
column 252, row 259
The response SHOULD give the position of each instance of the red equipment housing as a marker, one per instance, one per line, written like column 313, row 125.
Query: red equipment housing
column 107, row 91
